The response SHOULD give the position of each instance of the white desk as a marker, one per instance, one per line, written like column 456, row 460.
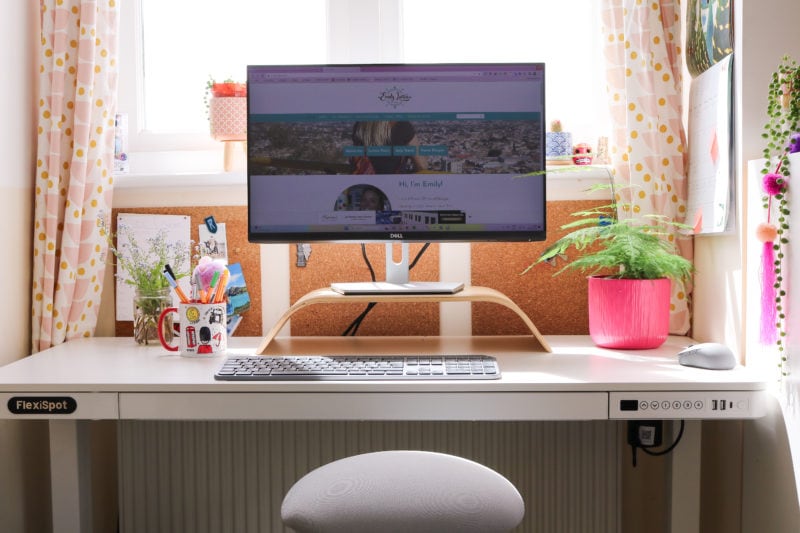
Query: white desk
column 112, row 378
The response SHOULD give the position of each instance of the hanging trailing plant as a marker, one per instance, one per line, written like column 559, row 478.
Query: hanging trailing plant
column 782, row 135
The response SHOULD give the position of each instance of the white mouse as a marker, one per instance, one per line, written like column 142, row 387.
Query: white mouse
column 711, row 355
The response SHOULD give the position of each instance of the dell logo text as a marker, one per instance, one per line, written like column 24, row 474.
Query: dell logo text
column 395, row 235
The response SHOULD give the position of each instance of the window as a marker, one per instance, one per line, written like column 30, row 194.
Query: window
column 565, row 35
column 220, row 40
column 169, row 50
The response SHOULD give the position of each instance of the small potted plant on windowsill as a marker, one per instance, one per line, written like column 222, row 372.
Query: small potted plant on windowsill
column 631, row 263
column 227, row 115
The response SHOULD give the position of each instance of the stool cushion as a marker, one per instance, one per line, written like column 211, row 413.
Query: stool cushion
column 403, row 491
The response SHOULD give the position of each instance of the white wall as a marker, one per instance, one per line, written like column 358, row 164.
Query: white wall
column 17, row 156
column 764, row 32
column 24, row 498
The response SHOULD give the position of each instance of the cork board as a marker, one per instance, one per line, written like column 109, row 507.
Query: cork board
column 556, row 305
column 342, row 263
column 239, row 251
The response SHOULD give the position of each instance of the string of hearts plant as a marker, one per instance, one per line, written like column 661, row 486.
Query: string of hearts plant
column 782, row 135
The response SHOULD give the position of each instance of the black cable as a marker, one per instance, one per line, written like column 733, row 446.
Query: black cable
column 419, row 254
column 352, row 329
column 649, row 451
column 646, row 449
column 366, row 260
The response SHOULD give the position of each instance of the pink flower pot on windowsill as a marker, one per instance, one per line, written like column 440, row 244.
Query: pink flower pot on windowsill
column 629, row 314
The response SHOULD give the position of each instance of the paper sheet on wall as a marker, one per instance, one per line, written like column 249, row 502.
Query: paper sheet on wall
column 710, row 197
column 144, row 227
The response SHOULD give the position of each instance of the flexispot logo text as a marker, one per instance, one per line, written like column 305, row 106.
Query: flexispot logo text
column 42, row 405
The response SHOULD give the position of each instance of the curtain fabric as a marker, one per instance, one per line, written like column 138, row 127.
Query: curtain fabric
column 643, row 53
column 75, row 151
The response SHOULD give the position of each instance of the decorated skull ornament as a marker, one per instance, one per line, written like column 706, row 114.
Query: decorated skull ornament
column 582, row 154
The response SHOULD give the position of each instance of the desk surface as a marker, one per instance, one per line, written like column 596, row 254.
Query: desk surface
column 115, row 364
column 115, row 378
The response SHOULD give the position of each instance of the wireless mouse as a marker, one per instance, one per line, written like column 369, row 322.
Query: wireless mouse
column 711, row 355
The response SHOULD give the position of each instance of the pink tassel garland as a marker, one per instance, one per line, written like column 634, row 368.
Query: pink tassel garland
column 774, row 184
column 769, row 313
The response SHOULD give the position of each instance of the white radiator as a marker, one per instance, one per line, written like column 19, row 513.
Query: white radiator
column 219, row 477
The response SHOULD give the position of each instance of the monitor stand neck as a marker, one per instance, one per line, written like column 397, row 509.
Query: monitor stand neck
column 396, row 273
column 397, row 279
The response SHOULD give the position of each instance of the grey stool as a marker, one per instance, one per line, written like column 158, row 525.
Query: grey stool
column 402, row 491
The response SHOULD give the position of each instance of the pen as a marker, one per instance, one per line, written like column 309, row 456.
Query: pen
column 220, row 294
column 209, row 293
column 212, row 287
column 168, row 270
column 176, row 287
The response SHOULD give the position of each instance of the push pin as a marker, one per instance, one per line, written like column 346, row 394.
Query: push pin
column 553, row 261
column 303, row 252
column 211, row 224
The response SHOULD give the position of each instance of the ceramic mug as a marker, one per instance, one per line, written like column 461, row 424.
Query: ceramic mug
column 202, row 330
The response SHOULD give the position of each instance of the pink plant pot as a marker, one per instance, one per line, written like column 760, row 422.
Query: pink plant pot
column 629, row 314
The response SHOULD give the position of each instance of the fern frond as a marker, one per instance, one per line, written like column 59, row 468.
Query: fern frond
column 635, row 247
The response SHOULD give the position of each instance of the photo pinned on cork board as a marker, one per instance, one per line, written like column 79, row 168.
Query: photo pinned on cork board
column 213, row 245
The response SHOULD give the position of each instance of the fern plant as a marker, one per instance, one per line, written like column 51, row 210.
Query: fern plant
column 637, row 248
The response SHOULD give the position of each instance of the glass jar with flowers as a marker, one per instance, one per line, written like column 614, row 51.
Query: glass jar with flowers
column 142, row 266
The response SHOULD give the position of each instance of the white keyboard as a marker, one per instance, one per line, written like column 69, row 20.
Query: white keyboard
column 352, row 367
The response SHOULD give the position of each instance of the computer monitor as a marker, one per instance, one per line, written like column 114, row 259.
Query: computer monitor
column 396, row 153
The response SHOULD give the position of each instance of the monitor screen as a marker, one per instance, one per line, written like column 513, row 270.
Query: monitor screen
column 381, row 153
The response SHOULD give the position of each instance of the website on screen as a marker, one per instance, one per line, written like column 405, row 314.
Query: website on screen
column 395, row 147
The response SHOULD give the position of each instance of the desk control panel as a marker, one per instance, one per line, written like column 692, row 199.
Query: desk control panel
column 686, row 405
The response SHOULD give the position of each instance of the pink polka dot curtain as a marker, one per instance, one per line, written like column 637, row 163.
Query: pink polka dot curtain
column 75, row 149
column 648, row 145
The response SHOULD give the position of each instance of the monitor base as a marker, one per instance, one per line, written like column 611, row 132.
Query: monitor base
column 383, row 287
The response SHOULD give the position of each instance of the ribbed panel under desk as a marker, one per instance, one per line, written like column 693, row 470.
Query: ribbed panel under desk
column 232, row 476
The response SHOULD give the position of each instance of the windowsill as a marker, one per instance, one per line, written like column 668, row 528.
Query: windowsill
column 230, row 188
column 180, row 190
column 181, row 178
column 571, row 182
column 192, row 179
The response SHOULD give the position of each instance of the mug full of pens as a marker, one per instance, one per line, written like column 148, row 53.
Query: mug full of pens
column 202, row 329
